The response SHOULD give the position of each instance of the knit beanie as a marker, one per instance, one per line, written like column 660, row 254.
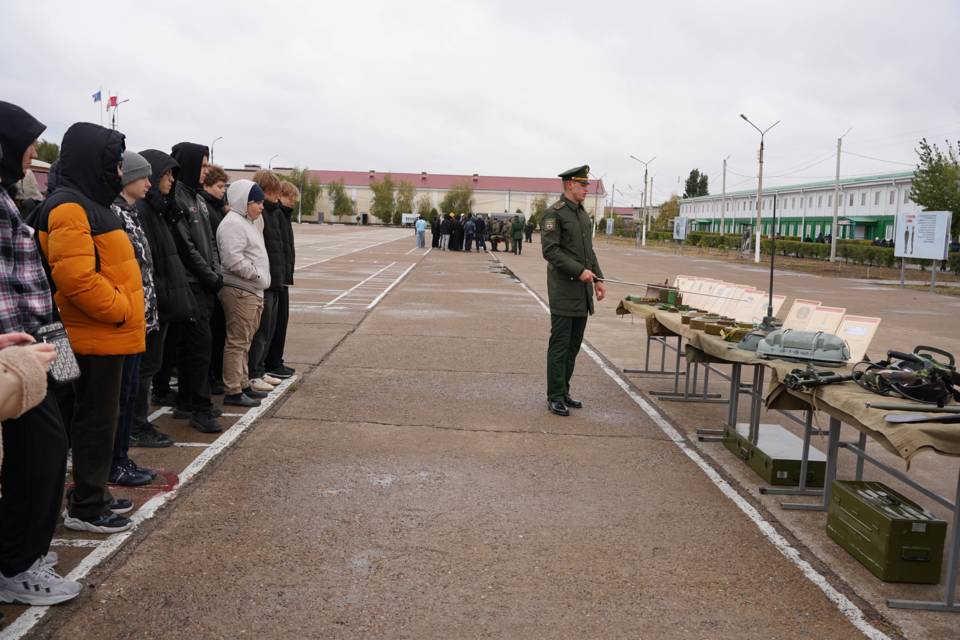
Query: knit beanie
column 256, row 194
column 135, row 166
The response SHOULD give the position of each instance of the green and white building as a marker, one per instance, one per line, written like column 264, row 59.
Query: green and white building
column 867, row 208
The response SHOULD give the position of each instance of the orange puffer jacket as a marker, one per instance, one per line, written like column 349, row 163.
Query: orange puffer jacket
column 99, row 289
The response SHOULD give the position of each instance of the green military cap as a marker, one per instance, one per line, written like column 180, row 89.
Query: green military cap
column 580, row 174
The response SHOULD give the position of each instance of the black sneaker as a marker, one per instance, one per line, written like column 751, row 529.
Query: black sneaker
column 150, row 438
column 168, row 399
column 129, row 477
column 253, row 393
column 240, row 400
column 133, row 466
column 121, row 506
column 108, row 522
column 281, row 372
column 205, row 422
column 182, row 414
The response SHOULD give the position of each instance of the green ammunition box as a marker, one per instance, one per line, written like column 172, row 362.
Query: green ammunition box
column 776, row 454
column 892, row 536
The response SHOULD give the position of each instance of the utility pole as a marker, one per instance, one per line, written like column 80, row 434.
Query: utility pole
column 763, row 132
column 650, row 205
column 645, row 168
column 836, row 203
column 723, row 200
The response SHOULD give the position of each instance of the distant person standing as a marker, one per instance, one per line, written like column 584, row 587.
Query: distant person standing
column 481, row 233
column 446, row 227
column 573, row 274
column 528, row 230
column 469, row 233
column 516, row 232
column 420, row 226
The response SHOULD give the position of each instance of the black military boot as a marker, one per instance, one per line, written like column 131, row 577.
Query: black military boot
column 571, row 403
column 558, row 407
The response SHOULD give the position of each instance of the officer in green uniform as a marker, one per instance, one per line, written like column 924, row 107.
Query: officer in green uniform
column 573, row 275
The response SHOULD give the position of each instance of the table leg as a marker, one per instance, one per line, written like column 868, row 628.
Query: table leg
column 801, row 489
column 862, row 444
column 833, row 450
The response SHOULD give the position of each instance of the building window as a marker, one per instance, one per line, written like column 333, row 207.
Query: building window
column 810, row 203
column 906, row 196
column 819, row 201
column 851, row 199
column 893, row 195
column 830, row 200
column 863, row 198
column 876, row 197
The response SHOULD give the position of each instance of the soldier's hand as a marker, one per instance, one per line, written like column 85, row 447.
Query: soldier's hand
column 601, row 290
column 587, row 276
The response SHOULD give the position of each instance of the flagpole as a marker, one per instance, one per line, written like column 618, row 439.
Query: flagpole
column 100, row 91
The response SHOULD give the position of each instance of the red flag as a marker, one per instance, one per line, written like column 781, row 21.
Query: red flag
column 112, row 102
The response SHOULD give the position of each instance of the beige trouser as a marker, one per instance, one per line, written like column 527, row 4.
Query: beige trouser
column 242, row 310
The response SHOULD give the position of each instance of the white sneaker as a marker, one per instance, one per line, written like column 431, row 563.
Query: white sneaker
column 259, row 385
column 269, row 379
column 38, row 586
column 51, row 559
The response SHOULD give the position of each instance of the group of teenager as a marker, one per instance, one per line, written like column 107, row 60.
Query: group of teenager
column 456, row 232
column 155, row 267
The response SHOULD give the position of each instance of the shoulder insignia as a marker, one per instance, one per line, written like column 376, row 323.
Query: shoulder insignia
column 549, row 224
column 558, row 205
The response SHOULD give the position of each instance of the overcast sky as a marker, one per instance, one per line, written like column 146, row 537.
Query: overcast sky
column 503, row 88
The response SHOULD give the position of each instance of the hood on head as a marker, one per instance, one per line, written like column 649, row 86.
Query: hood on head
column 237, row 195
column 18, row 130
column 160, row 162
column 53, row 176
column 190, row 156
column 89, row 157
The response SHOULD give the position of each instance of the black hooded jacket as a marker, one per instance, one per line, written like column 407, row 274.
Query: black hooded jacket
column 193, row 234
column 289, row 249
column 214, row 209
column 18, row 132
column 273, row 240
column 158, row 214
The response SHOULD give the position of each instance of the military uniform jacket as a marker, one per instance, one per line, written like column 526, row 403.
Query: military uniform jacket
column 567, row 245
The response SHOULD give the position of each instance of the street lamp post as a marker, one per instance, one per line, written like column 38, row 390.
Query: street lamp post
column 723, row 200
column 646, row 216
column 836, row 203
column 212, row 144
column 762, row 132
column 270, row 161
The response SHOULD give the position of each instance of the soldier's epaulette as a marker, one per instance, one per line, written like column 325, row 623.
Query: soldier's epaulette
column 559, row 204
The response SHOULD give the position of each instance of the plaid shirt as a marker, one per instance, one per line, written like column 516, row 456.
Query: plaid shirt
column 25, row 301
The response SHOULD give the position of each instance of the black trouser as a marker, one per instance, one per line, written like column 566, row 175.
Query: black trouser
column 168, row 360
column 274, row 359
column 193, row 356
column 481, row 244
column 261, row 339
column 218, row 336
column 149, row 365
column 31, row 480
column 92, row 433
column 129, row 387
column 468, row 241
column 518, row 246
column 566, row 334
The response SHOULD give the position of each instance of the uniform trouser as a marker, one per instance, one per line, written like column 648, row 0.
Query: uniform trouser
column 193, row 356
column 468, row 242
column 421, row 239
column 242, row 310
column 566, row 334
column 444, row 241
column 218, row 334
column 31, row 479
column 149, row 366
column 92, row 433
column 508, row 243
column 274, row 359
column 264, row 335
column 129, row 386
column 518, row 246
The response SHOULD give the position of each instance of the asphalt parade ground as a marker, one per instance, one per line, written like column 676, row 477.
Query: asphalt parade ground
column 410, row 483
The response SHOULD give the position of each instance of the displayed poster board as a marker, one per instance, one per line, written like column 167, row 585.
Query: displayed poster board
column 826, row 319
column 858, row 331
column 609, row 226
column 680, row 228
column 923, row 235
column 800, row 314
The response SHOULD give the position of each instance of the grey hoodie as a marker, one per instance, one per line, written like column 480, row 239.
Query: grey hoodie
column 243, row 254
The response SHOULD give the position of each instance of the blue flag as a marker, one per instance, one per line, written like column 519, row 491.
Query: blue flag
column 96, row 96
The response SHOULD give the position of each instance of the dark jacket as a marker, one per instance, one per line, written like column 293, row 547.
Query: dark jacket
column 446, row 227
column 565, row 235
column 196, row 243
column 158, row 215
column 215, row 209
column 289, row 248
column 273, row 239
column 92, row 263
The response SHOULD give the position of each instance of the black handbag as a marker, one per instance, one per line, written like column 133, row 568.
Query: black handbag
column 64, row 369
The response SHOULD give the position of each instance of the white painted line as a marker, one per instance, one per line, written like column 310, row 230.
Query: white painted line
column 851, row 611
column 340, row 255
column 75, row 542
column 159, row 412
column 392, row 285
column 411, row 251
column 110, row 544
column 360, row 283
column 198, row 445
